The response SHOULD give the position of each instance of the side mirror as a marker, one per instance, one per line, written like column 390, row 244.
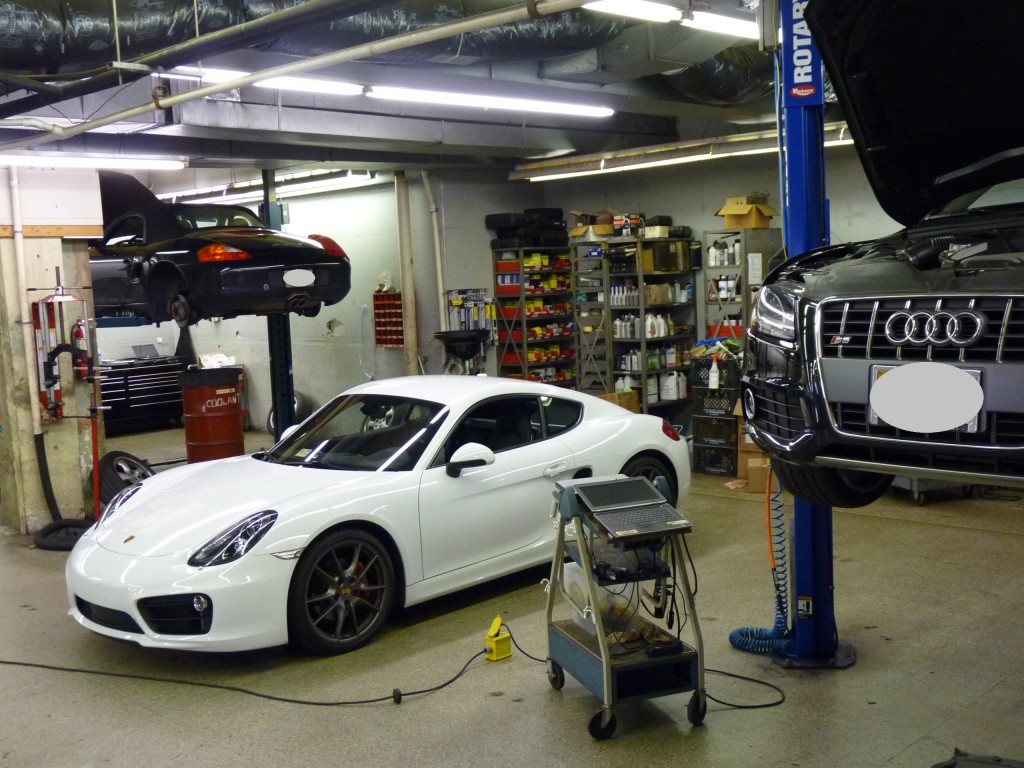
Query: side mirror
column 288, row 432
column 469, row 455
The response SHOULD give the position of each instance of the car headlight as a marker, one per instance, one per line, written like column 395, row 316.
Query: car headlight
column 235, row 541
column 120, row 498
column 774, row 313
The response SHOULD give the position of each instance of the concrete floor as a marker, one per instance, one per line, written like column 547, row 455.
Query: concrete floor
column 931, row 597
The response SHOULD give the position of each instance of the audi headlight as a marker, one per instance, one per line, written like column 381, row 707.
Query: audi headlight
column 235, row 541
column 774, row 314
column 119, row 499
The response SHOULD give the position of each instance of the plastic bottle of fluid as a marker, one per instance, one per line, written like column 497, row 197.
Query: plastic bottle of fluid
column 670, row 385
column 650, row 326
column 662, row 325
column 620, row 384
column 713, row 375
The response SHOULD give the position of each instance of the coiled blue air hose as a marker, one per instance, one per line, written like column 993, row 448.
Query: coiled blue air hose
column 775, row 639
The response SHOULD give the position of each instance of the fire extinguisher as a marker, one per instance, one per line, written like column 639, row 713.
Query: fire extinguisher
column 82, row 345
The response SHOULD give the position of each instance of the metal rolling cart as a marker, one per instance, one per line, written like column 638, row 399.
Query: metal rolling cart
column 645, row 661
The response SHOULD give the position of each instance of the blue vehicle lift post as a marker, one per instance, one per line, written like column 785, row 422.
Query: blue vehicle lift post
column 815, row 640
column 279, row 338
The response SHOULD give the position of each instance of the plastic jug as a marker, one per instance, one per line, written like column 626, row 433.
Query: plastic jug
column 670, row 385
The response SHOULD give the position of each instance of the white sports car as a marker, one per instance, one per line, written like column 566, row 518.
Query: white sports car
column 395, row 492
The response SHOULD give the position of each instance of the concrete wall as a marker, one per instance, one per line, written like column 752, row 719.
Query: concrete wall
column 335, row 350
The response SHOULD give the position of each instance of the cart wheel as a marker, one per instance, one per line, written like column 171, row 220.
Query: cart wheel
column 919, row 498
column 602, row 724
column 696, row 709
column 968, row 491
column 556, row 675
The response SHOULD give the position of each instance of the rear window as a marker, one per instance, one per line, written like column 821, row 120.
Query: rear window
column 204, row 216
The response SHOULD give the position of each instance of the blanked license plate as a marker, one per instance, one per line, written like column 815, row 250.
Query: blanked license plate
column 877, row 371
column 299, row 278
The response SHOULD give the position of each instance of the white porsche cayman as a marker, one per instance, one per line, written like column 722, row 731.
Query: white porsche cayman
column 395, row 492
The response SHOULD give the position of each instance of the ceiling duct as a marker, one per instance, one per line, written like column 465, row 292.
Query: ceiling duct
column 733, row 76
column 54, row 37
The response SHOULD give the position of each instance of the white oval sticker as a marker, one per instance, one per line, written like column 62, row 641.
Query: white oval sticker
column 926, row 397
column 299, row 278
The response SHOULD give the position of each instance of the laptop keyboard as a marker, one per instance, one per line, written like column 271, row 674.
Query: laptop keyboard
column 628, row 518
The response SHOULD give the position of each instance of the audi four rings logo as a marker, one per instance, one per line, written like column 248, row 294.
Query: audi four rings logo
column 961, row 329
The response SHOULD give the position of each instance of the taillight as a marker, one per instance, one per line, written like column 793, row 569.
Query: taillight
column 331, row 247
column 221, row 252
column 669, row 430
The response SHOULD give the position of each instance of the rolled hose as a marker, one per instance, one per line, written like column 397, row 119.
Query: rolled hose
column 60, row 534
column 774, row 640
column 44, row 477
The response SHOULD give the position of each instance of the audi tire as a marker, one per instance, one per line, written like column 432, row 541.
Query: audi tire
column 844, row 488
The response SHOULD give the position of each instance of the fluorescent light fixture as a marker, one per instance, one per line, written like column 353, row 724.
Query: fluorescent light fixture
column 662, row 155
column 252, row 192
column 486, row 102
column 725, row 25
column 444, row 98
column 301, row 84
column 91, row 162
column 636, row 9
column 311, row 85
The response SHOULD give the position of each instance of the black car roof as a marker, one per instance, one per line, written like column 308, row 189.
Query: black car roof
column 932, row 91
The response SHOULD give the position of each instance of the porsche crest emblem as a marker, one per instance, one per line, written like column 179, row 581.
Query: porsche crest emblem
column 129, row 538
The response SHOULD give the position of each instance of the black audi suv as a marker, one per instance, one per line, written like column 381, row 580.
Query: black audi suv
column 933, row 105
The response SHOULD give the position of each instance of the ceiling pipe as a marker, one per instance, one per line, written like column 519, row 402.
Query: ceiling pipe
column 246, row 34
column 531, row 9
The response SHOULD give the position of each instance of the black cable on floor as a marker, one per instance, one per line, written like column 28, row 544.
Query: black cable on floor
column 777, row 702
column 396, row 695
column 513, row 639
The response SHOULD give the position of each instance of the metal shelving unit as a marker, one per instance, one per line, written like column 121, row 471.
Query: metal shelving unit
column 535, row 314
column 637, row 280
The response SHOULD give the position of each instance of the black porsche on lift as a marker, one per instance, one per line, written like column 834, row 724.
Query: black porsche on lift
column 186, row 262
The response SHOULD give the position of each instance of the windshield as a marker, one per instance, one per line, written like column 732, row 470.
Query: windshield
column 365, row 433
column 1007, row 193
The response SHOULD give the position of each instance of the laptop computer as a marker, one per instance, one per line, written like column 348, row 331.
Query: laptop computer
column 629, row 507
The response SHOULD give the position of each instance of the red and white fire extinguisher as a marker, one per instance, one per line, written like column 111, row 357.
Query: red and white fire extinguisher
column 81, row 343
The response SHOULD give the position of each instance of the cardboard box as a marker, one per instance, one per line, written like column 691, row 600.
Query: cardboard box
column 746, row 213
column 592, row 232
column 655, row 232
column 658, row 293
column 757, row 469
column 584, row 219
column 629, row 400
column 665, row 257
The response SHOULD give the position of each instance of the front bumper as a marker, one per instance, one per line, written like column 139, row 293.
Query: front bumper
column 810, row 409
column 146, row 600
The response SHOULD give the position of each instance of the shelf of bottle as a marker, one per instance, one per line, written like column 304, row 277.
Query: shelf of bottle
column 652, row 339
column 636, row 307
column 510, row 291
column 664, row 369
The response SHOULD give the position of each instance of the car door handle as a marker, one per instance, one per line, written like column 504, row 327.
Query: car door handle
column 556, row 469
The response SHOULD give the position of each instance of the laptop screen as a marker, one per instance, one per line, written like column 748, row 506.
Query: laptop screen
column 628, row 492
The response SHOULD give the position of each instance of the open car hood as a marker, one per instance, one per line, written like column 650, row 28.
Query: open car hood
column 931, row 90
